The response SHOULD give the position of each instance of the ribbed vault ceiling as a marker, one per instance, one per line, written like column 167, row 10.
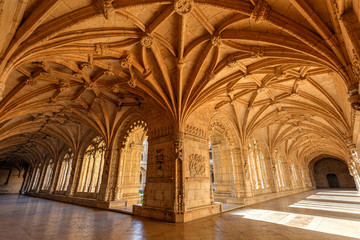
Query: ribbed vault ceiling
column 72, row 66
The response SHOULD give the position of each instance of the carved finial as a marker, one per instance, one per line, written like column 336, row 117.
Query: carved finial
column 260, row 12
column 183, row 7
column 146, row 41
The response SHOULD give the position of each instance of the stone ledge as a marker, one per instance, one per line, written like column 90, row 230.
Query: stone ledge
column 266, row 197
column 180, row 217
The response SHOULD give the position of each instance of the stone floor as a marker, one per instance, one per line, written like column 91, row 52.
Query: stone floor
column 317, row 215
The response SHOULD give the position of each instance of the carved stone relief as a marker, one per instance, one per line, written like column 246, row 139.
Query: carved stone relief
column 196, row 165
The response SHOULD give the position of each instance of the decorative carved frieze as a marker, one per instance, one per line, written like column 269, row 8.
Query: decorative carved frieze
column 161, row 132
column 196, row 165
column 183, row 7
column 261, row 11
column 134, row 126
column 194, row 131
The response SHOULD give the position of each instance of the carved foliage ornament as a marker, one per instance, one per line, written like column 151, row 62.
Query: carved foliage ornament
column 107, row 8
column 126, row 60
column 356, row 66
column 116, row 87
column 160, row 160
column 257, row 52
column 183, row 7
column 196, row 165
column 30, row 81
column 132, row 82
column 261, row 11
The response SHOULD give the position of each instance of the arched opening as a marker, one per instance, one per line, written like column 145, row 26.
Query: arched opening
column 65, row 170
column 333, row 181
column 133, row 164
column 257, row 166
column 48, row 175
column 36, row 177
column 279, row 169
column 333, row 173
column 143, row 167
column 92, row 166
column 221, row 164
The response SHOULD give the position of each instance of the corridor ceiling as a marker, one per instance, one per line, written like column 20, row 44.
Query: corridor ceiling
column 68, row 67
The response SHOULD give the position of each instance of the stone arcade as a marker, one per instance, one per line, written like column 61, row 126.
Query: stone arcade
column 101, row 99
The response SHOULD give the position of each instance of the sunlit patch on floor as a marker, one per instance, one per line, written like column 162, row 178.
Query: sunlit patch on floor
column 330, row 219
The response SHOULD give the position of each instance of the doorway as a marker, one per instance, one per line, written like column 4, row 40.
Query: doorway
column 333, row 181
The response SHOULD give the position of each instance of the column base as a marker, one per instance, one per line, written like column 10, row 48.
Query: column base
column 181, row 217
column 222, row 196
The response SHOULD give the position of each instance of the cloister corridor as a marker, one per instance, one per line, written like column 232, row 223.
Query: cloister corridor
column 319, row 214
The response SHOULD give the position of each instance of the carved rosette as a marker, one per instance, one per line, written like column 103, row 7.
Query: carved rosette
column 183, row 7
column 196, row 165
column 146, row 41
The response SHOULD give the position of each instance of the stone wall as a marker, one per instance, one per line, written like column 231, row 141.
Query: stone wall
column 323, row 167
column 11, row 180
